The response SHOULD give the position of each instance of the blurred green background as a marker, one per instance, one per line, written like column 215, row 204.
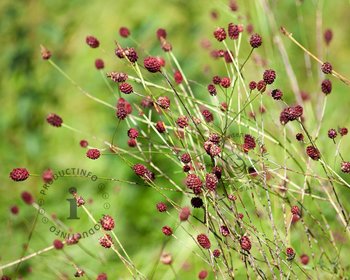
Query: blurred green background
column 31, row 88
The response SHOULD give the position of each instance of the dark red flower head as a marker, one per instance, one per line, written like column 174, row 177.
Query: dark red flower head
column 45, row 53
column 304, row 95
column 27, row 197
column 295, row 218
column 106, row 241
column 193, row 181
column 152, row 64
column 250, row 28
column 102, row 276
column 261, row 86
column 161, row 207
column 332, row 133
column 203, row 274
column 124, row 32
column 203, row 241
column 228, row 56
column 83, row 143
column 161, row 61
column 343, row 131
column 295, row 210
column 207, row 145
column 211, row 148
column 19, row 174
column 284, row 116
column 233, row 31
column 58, row 244
column 74, row 239
column 14, row 210
column 166, row 46
column 304, row 259
column 345, row 167
column 215, row 150
column 119, row 52
column 223, row 106
column 132, row 142
column 147, row 102
column 139, row 169
column 149, row 175
column 290, row 254
column 79, row 200
column 131, row 54
column 269, row 76
column 126, row 88
column 220, row 34
column 217, row 171
column 117, row 77
column 252, row 171
column 182, row 121
column 225, row 82
column 255, row 40
column 245, row 243
column 326, row 86
column 208, row 116
column 92, row 41
column 133, row 133
column 216, row 253
column 295, row 112
column 224, row 230
column 167, row 230
column 160, row 126
column 299, row 137
column 276, row 94
column 212, row 90
column 233, row 5
column 249, row 143
column 107, row 222
column 93, row 153
column 216, row 80
column 291, row 114
column 186, row 168
column 211, row 182
column 178, row 77
column 47, row 176
column 163, row 102
column 123, row 108
column 99, row 64
column 196, row 202
column 215, row 138
column 184, row 214
column 328, row 35
column 217, row 53
column 54, row 120
column 313, row 153
column 186, row 158
column 327, row 68
column 161, row 33
column 252, row 85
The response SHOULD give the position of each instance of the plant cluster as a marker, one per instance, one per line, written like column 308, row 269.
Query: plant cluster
column 241, row 171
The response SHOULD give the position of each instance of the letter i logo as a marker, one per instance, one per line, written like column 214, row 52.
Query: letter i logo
column 73, row 215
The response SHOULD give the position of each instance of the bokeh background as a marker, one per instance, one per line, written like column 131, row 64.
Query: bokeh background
column 31, row 88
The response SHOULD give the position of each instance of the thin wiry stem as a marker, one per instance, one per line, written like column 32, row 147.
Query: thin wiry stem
column 334, row 73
